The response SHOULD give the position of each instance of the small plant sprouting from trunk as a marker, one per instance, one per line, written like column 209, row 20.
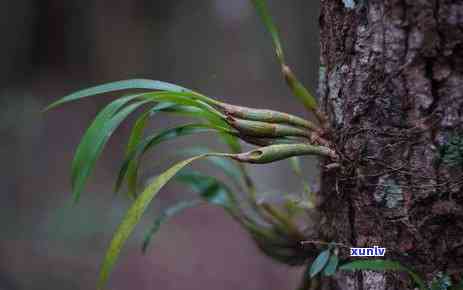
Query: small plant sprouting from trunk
column 277, row 135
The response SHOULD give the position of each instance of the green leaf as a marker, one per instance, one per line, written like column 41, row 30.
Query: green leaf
column 294, row 84
column 98, row 133
column 130, row 166
column 383, row 265
column 137, row 132
column 378, row 265
column 319, row 263
column 210, row 189
column 198, row 113
column 298, row 90
column 95, row 138
column 166, row 93
column 139, row 127
column 96, row 126
column 228, row 167
column 184, row 98
column 118, row 86
column 231, row 141
column 262, row 10
column 330, row 268
column 165, row 216
column 135, row 213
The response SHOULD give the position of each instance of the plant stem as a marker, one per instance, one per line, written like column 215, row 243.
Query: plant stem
column 283, row 221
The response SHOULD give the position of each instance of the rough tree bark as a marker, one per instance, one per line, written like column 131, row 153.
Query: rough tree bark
column 392, row 85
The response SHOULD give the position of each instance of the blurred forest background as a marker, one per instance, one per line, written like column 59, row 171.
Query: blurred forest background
column 52, row 47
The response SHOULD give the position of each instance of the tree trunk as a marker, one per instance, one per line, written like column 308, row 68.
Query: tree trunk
column 392, row 84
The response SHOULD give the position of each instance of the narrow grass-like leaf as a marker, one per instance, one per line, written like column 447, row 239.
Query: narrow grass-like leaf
column 262, row 10
column 209, row 188
column 139, row 128
column 294, row 84
column 332, row 265
column 165, row 216
column 298, row 90
column 377, row 265
column 309, row 197
column 130, row 166
column 96, row 136
column 319, row 263
column 193, row 100
column 198, row 113
column 96, row 126
column 119, row 86
column 165, row 93
column 140, row 125
column 135, row 213
column 228, row 167
column 185, row 98
column 383, row 265
column 133, row 216
column 94, row 140
column 137, row 132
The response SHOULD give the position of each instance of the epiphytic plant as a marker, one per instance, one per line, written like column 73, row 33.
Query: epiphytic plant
column 277, row 135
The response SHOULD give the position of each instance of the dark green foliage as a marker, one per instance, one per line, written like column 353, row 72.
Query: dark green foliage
column 319, row 263
column 332, row 265
column 210, row 189
column 279, row 135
